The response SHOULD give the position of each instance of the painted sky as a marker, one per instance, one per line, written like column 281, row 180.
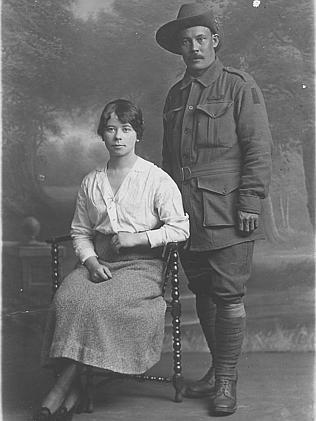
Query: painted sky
column 88, row 8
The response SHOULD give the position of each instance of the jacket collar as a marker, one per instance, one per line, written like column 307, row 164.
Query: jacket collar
column 207, row 78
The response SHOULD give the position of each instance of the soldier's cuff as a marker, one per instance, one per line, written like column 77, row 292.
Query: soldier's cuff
column 249, row 203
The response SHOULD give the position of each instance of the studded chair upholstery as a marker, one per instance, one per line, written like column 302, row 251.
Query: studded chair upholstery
column 171, row 257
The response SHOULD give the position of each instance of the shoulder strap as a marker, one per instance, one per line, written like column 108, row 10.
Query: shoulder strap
column 245, row 76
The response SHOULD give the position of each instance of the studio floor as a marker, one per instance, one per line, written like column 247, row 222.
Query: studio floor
column 272, row 387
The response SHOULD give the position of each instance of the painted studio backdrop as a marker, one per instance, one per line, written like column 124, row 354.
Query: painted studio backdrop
column 64, row 59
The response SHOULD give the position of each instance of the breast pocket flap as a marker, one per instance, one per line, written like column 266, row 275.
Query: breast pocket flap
column 172, row 112
column 215, row 109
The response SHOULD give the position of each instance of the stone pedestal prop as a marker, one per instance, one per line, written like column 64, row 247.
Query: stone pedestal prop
column 27, row 283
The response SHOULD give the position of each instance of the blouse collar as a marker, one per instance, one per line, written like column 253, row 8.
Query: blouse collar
column 140, row 165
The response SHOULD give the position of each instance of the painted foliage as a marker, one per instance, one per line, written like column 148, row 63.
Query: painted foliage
column 62, row 60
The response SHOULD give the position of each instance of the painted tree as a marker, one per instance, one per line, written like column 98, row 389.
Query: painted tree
column 56, row 65
column 38, row 39
column 274, row 44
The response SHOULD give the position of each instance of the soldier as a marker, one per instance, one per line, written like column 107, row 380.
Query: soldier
column 217, row 147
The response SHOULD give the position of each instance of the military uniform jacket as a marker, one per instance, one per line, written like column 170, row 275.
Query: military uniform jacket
column 217, row 147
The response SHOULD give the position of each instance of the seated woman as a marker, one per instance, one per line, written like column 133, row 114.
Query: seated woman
column 109, row 312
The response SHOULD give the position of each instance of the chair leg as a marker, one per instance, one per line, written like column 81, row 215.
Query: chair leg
column 88, row 405
column 176, row 331
column 177, row 365
column 178, row 385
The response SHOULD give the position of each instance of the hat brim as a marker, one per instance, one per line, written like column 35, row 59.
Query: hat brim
column 167, row 35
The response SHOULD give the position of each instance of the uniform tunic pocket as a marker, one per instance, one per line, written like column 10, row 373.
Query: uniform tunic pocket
column 215, row 124
column 219, row 195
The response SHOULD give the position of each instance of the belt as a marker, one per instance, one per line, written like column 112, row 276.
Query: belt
column 187, row 173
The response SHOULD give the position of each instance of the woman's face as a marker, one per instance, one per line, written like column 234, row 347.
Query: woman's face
column 119, row 138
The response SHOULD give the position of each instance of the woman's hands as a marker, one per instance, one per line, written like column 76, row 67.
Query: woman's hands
column 98, row 273
column 128, row 239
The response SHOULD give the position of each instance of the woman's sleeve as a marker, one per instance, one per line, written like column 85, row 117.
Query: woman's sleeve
column 81, row 228
column 169, row 206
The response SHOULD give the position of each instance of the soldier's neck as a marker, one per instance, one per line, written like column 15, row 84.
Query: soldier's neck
column 198, row 72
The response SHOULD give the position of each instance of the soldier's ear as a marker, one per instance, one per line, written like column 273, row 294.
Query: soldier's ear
column 215, row 40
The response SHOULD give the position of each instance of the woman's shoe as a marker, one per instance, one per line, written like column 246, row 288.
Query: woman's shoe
column 203, row 387
column 43, row 414
column 63, row 414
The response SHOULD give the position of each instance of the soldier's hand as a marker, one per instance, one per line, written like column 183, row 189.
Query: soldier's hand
column 247, row 222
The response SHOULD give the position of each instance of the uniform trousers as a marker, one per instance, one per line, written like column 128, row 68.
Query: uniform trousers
column 221, row 274
column 218, row 279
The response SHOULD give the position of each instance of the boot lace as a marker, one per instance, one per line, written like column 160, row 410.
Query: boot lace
column 224, row 388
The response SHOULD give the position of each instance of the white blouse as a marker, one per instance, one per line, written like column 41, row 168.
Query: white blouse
column 148, row 200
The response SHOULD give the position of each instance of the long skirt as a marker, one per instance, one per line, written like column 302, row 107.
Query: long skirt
column 116, row 325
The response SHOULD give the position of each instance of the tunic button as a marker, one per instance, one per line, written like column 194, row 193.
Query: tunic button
column 190, row 107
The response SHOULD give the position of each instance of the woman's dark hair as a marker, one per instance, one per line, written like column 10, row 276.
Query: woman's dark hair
column 126, row 112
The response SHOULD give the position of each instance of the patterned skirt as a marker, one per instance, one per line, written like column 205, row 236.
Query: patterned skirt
column 116, row 325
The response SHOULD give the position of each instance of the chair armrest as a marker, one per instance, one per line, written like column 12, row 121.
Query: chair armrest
column 57, row 240
column 170, row 247
column 169, row 251
column 171, row 256
column 55, row 273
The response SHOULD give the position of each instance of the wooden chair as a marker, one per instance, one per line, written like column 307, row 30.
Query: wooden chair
column 171, row 256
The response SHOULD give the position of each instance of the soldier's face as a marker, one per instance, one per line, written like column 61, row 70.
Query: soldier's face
column 197, row 47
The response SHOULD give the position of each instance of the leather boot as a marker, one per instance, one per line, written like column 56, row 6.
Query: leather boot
column 229, row 338
column 225, row 400
column 206, row 311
